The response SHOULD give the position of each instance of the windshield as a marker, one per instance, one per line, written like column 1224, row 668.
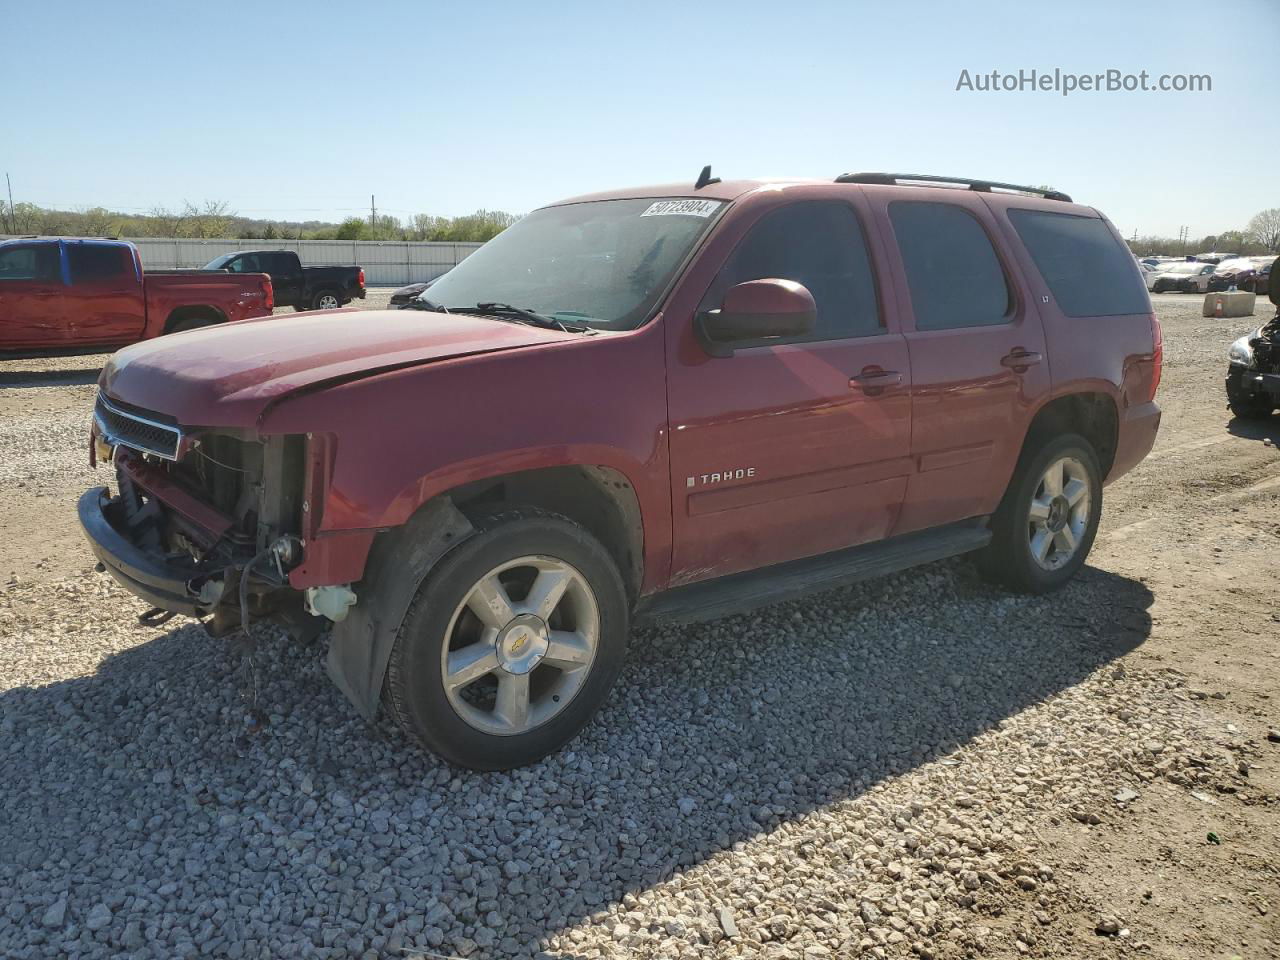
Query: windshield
column 1185, row 268
column 603, row 263
column 218, row 262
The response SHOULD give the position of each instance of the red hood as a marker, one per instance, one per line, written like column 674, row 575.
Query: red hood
column 226, row 375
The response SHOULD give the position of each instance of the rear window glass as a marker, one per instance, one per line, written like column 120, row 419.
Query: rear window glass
column 92, row 261
column 1088, row 270
column 952, row 270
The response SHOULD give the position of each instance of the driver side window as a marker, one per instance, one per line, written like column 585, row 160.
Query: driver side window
column 818, row 243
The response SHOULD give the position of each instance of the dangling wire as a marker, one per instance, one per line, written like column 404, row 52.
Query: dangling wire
column 250, row 646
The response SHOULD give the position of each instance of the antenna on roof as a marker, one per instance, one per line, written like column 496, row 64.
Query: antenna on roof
column 705, row 179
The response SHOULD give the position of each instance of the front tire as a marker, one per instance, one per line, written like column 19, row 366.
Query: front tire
column 511, row 644
column 1046, row 524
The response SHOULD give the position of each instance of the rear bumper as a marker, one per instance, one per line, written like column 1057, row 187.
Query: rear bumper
column 158, row 582
column 1135, row 436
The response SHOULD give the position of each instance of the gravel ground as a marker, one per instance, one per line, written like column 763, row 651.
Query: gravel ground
column 921, row 764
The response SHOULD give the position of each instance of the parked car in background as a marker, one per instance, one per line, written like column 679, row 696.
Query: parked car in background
column 80, row 296
column 1239, row 272
column 303, row 288
column 713, row 397
column 403, row 296
column 1188, row 276
column 1253, row 368
column 1262, row 277
column 1149, row 273
column 1215, row 257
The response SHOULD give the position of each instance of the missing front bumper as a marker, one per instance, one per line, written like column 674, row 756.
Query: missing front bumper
column 157, row 581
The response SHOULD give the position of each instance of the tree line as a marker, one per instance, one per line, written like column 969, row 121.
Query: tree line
column 215, row 219
column 1261, row 235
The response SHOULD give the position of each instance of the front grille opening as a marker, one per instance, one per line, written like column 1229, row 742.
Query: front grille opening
column 136, row 431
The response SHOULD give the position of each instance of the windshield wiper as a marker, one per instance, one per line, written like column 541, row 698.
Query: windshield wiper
column 531, row 317
column 421, row 303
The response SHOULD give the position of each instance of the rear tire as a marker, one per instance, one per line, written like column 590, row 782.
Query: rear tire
column 325, row 300
column 1048, row 519
column 486, row 674
column 190, row 323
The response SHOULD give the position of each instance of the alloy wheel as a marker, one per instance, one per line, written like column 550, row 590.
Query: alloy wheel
column 520, row 645
column 1059, row 514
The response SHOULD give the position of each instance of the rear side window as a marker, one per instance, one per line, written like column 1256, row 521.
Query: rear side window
column 91, row 262
column 820, row 244
column 29, row 263
column 952, row 270
column 1088, row 270
column 280, row 263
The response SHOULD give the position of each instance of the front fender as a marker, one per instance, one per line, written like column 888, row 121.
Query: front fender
column 403, row 437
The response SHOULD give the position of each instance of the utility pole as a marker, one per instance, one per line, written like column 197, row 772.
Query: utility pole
column 373, row 214
column 13, row 226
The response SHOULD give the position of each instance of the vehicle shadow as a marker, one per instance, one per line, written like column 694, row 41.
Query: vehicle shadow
column 49, row 378
column 1265, row 429
column 756, row 721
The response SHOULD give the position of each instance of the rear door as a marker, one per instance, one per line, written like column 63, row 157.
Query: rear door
column 31, row 297
column 103, row 300
column 790, row 449
column 286, row 276
column 978, row 363
column 1097, row 315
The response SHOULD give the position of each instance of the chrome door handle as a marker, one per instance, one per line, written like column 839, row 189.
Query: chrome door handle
column 873, row 381
column 1020, row 359
column 876, row 378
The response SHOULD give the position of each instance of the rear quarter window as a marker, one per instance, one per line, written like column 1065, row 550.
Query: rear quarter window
column 1088, row 270
column 91, row 262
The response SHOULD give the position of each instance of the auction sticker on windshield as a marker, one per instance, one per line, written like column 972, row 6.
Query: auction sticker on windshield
column 684, row 208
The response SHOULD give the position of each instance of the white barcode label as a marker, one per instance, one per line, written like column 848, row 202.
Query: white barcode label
column 682, row 208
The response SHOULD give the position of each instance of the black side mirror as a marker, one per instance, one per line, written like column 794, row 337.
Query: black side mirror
column 756, row 310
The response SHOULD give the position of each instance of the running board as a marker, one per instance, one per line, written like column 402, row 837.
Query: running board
column 742, row 592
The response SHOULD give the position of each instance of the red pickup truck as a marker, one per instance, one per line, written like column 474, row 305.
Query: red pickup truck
column 61, row 296
column 658, row 404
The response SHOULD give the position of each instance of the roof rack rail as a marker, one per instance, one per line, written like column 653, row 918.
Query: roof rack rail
column 980, row 186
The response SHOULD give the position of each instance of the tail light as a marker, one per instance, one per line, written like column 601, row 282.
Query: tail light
column 268, row 293
column 1157, row 358
column 360, row 277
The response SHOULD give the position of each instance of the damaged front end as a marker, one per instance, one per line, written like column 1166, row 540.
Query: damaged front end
column 206, row 523
column 1253, row 376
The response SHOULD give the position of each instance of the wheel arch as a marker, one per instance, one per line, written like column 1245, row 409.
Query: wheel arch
column 599, row 498
column 1092, row 413
column 203, row 312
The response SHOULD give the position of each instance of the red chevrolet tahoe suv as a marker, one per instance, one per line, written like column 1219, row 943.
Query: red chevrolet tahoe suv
column 667, row 403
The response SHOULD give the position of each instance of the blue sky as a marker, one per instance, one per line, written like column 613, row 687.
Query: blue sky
column 300, row 110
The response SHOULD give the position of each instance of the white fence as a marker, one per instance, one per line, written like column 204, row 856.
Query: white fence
column 386, row 263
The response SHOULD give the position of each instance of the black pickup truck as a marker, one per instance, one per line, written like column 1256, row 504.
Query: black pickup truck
column 303, row 288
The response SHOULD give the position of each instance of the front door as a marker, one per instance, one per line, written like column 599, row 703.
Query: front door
column 31, row 297
column 789, row 449
column 978, row 361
